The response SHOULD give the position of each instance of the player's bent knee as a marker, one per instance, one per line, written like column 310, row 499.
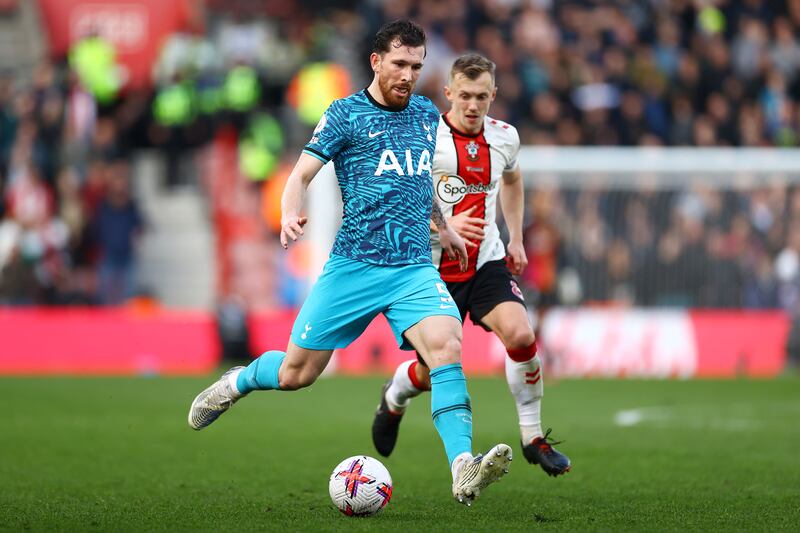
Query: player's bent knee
column 449, row 345
column 446, row 352
column 519, row 338
column 452, row 347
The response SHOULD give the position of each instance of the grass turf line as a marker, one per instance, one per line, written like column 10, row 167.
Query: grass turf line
column 116, row 454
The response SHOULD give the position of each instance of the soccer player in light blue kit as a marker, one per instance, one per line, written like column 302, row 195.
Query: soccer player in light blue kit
column 381, row 141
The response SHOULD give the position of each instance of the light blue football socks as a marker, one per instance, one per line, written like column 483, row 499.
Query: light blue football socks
column 262, row 373
column 451, row 410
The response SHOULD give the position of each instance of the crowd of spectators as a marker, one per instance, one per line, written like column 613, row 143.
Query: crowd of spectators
column 635, row 72
column 700, row 247
column 585, row 72
column 68, row 223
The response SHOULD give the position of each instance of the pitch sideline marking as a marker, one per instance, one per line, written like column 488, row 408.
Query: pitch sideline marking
column 668, row 417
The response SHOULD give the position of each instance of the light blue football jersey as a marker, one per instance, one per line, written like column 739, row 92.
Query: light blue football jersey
column 382, row 158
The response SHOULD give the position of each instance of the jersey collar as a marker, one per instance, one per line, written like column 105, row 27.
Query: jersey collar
column 463, row 134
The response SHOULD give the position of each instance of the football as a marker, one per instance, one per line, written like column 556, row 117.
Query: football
column 360, row 486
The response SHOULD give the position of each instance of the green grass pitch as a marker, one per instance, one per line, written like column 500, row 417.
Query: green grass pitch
column 116, row 454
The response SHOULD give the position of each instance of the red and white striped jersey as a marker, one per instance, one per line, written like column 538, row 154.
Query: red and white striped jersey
column 467, row 170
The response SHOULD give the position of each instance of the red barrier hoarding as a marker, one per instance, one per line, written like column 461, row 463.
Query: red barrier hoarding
column 578, row 343
column 742, row 343
column 106, row 341
column 666, row 343
column 136, row 28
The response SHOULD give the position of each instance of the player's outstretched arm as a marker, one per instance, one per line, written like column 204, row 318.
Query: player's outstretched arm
column 293, row 195
column 512, row 201
column 451, row 243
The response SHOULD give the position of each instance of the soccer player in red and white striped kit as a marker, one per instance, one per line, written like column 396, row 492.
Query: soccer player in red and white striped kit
column 474, row 163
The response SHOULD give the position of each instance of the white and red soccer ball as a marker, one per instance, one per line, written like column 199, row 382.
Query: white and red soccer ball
column 360, row 486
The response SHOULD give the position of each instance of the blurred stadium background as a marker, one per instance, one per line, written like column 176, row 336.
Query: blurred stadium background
column 144, row 145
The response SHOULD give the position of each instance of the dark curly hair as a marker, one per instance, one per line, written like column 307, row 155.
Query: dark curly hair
column 408, row 32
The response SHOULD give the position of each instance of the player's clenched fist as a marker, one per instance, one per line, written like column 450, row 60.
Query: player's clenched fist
column 291, row 228
column 517, row 258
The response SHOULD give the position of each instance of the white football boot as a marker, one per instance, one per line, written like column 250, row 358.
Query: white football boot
column 473, row 474
column 215, row 400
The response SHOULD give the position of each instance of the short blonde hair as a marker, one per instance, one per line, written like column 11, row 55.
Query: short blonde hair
column 472, row 66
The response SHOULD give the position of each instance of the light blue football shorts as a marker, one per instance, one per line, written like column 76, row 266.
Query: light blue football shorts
column 349, row 294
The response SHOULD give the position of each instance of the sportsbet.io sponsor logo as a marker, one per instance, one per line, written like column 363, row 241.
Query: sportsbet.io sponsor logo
column 320, row 126
column 452, row 189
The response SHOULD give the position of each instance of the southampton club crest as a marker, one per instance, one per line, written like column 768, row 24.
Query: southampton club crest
column 472, row 151
column 516, row 290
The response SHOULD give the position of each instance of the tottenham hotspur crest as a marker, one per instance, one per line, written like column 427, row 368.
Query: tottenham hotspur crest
column 472, row 151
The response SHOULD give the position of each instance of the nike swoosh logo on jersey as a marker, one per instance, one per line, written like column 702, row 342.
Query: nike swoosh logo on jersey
column 427, row 128
column 445, row 306
column 371, row 135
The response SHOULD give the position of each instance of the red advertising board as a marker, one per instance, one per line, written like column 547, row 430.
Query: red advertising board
column 578, row 343
column 671, row 343
column 106, row 341
column 741, row 343
column 137, row 28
